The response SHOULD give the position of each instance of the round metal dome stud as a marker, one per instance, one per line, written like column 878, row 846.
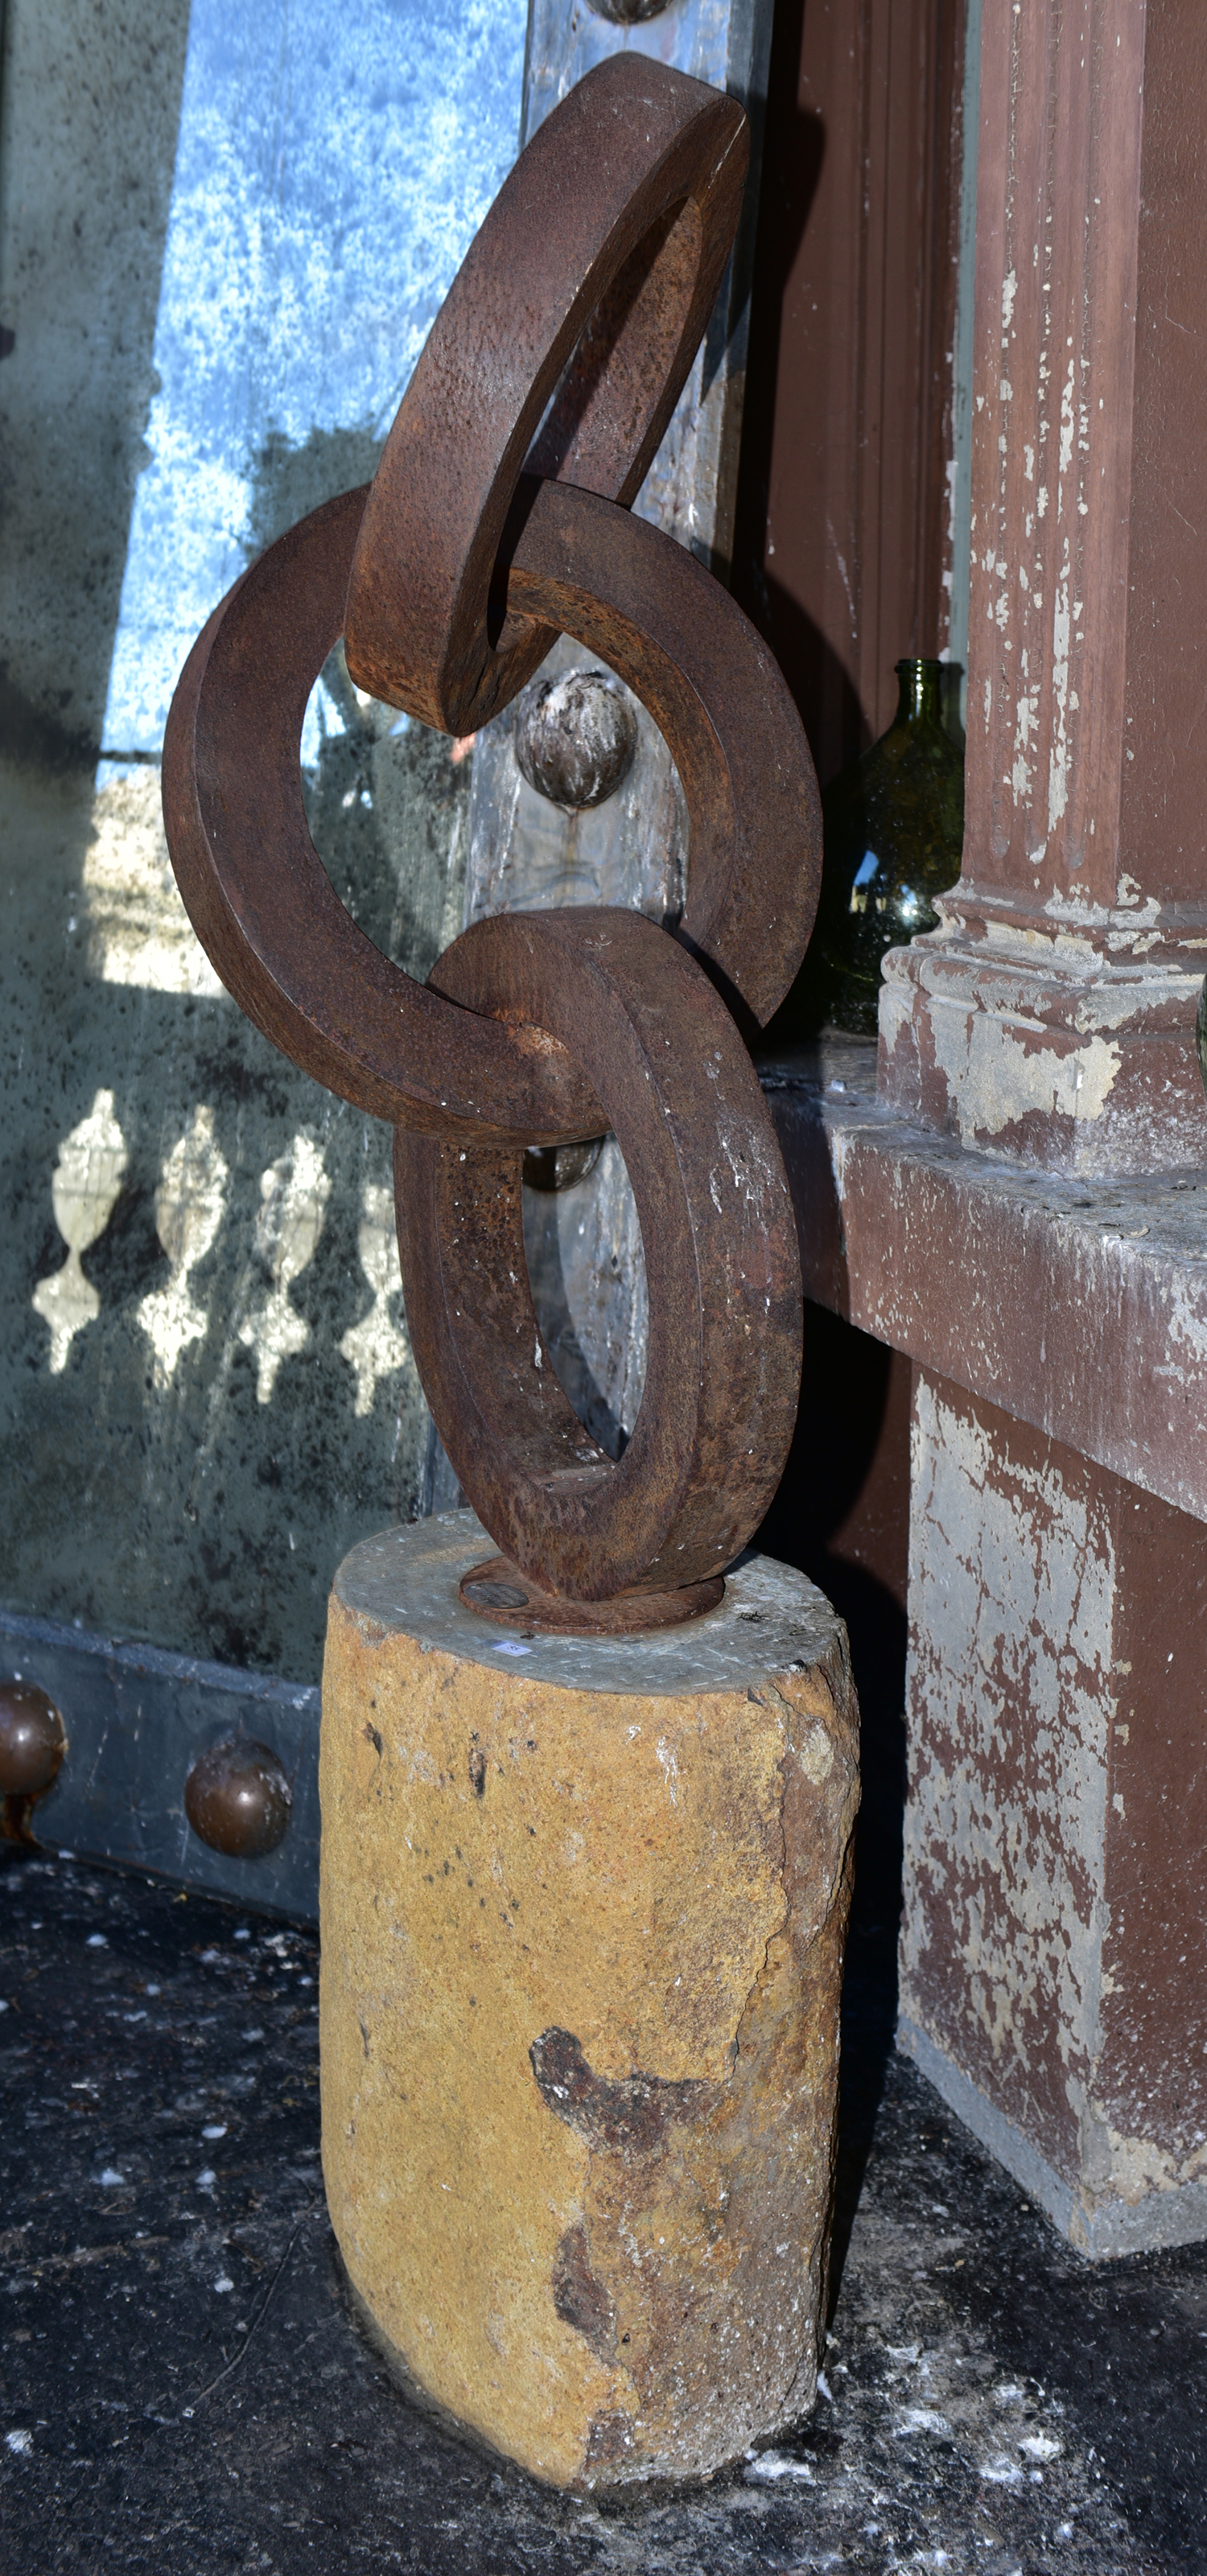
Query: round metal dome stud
column 551, row 1169
column 33, row 1740
column 576, row 738
column 237, row 1798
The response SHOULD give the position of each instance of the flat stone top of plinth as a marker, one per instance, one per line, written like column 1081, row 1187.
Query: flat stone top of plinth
column 771, row 1620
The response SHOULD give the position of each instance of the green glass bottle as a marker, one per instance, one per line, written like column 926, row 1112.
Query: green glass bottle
column 893, row 836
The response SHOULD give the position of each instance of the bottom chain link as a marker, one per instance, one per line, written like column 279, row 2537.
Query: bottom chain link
column 661, row 1052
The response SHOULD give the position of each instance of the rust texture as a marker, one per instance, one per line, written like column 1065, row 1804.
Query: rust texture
column 497, row 1590
column 498, row 519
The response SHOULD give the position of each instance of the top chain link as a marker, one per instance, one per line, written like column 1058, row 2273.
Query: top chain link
column 498, row 519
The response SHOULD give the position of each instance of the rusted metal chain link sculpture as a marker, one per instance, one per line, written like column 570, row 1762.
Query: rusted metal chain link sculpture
column 498, row 518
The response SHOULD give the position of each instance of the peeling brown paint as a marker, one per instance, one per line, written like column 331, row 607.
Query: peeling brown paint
column 988, row 1275
column 1011, row 1595
column 1056, row 1914
column 1050, row 1019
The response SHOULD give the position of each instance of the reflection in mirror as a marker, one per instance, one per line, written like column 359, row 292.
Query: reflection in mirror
column 387, row 801
column 224, row 234
column 586, row 1263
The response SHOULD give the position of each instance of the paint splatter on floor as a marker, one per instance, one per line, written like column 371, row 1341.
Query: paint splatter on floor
column 180, row 2382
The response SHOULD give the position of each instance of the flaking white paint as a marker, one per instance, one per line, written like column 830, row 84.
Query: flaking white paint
column 1010, row 1691
column 996, row 1072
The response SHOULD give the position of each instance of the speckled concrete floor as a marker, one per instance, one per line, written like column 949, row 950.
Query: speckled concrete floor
column 180, row 2384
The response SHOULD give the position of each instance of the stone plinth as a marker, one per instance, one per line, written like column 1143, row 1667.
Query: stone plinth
column 583, row 1904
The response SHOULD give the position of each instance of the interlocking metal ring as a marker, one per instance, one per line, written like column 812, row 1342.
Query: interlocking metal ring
column 573, row 321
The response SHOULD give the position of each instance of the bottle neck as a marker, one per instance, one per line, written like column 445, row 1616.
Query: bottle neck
column 919, row 701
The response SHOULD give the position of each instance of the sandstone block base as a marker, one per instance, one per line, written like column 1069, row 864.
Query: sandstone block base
column 583, row 1904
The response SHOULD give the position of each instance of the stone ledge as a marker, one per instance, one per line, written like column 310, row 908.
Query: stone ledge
column 1101, row 1338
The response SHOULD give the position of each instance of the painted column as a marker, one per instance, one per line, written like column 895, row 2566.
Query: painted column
column 1056, row 1830
column 1051, row 1018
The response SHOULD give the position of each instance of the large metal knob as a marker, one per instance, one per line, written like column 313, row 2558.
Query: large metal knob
column 575, row 738
column 33, row 1740
column 237, row 1799
column 560, row 1167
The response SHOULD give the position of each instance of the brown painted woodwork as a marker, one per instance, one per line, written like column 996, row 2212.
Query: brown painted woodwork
column 1094, row 345
column 1082, row 1311
column 1052, row 1018
column 1056, row 1825
column 1154, row 2009
column 1056, row 1905
column 843, row 534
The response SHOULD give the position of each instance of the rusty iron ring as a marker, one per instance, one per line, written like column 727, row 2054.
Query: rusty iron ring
column 260, row 899
column 264, row 907
column 543, row 1029
column 722, row 1266
column 590, row 282
column 686, row 649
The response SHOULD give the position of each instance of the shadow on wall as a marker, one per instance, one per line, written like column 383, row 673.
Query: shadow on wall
column 842, row 1516
column 85, row 194
column 842, row 1510
column 793, row 154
